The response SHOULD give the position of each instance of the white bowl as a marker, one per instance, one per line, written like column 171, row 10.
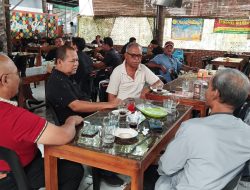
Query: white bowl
column 125, row 133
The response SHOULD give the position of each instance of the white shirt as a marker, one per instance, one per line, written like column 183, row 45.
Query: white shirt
column 205, row 154
column 122, row 85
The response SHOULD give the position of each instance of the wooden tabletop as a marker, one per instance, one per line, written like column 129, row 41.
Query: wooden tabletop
column 237, row 63
column 131, row 157
column 176, row 86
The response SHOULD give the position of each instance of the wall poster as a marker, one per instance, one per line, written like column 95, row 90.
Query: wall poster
column 189, row 29
column 26, row 24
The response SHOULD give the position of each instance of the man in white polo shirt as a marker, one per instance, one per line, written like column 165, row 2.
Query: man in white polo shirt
column 129, row 78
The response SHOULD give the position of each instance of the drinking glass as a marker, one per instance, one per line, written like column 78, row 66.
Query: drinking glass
column 133, row 120
column 131, row 105
column 185, row 86
column 175, row 103
column 167, row 104
column 108, row 131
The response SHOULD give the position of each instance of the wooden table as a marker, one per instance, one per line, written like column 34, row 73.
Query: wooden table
column 39, row 49
column 237, row 63
column 176, row 85
column 24, row 86
column 118, row 158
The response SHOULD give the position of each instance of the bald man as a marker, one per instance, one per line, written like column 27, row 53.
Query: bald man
column 21, row 130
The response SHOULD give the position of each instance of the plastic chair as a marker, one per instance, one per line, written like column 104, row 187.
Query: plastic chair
column 233, row 183
column 179, row 54
column 32, row 104
column 13, row 161
column 103, row 95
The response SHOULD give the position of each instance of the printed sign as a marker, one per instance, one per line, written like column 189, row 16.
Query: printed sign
column 233, row 26
column 187, row 29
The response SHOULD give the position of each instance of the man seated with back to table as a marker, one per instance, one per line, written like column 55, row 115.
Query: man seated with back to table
column 21, row 130
column 168, row 66
column 207, row 153
column 129, row 78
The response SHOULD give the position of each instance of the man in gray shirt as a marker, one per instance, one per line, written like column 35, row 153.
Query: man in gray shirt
column 209, row 152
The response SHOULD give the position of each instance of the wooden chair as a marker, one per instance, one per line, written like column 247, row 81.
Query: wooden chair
column 13, row 161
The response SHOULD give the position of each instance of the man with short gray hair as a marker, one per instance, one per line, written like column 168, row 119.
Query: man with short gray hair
column 129, row 78
column 209, row 152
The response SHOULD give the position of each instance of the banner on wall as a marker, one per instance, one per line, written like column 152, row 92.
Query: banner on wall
column 28, row 24
column 189, row 29
column 233, row 26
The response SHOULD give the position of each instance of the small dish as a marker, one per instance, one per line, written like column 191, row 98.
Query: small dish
column 125, row 133
column 122, row 112
column 160, row 91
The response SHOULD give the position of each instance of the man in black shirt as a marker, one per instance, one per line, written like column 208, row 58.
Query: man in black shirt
column 111, row 57
column 154, row 49
column 82, row 76
column 64, row 93
column 131, row 40
column 52, row 53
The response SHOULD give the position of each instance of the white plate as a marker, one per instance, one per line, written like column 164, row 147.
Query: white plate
column 159, row 90
column 116, row 112
column 125, row 133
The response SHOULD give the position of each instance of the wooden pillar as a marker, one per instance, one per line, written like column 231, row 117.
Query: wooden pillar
column 160, row 21
column 44, row 5
column 7, row 22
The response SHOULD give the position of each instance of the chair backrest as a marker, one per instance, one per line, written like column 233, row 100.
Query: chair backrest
column 13, row 161
column 243, row 112
column 233, row 183
column 103, row 95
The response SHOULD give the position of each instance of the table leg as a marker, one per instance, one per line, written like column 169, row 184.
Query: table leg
column 51, row 177
column 137, row 181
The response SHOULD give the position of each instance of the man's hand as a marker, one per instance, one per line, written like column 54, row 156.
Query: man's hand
column 115, row 102
column 163, row 69
column 144, row 92
column 75, row 120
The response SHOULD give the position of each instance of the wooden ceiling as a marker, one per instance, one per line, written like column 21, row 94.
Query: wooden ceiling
column 189, row 8
column 69, row 3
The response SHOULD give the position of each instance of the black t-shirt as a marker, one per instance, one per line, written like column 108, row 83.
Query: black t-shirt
column 51, row 55
column 112, row 58
column 61, row 90
column 82, row 76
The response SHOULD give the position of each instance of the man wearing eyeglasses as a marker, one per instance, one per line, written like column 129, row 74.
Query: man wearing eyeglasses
column 21, row 130
column 168, row 66
column 129, row 78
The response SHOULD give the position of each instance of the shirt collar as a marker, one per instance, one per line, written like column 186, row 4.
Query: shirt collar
column 124, row 68
column 14, row 103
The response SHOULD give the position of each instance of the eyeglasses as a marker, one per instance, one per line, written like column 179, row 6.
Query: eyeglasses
column 133, row 55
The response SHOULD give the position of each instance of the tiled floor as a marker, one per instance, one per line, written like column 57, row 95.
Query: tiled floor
column 86, row 183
